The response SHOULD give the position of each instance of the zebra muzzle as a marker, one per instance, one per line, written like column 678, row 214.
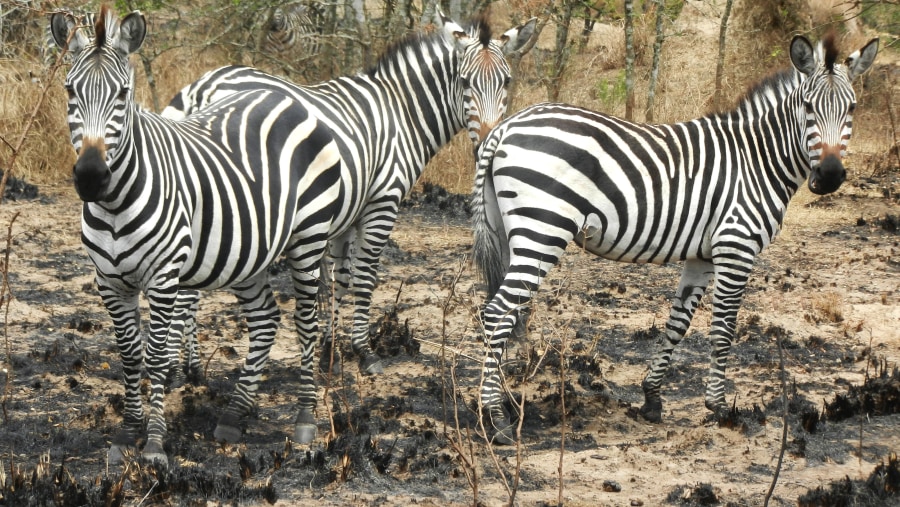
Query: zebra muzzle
column 827, row 176
column 91, row 175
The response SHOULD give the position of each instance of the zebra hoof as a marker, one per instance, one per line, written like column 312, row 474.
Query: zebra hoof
column 503, row 436
column 175, row 379
column 335, row 366
column 304, row 427
column 371, row 365
column 503, row 429
column 154, row 453
column 118, row 452
column 651, row 411
column 228, row 429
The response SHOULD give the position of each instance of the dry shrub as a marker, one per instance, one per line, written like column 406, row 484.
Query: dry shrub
column 46, row 155
column 827, row 307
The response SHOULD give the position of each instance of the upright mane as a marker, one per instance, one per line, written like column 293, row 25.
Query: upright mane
column 415, row 42
column 831, row 51
column 105, row 16
column 770, row 90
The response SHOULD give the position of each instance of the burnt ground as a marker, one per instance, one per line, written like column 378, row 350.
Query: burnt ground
column 826, row 289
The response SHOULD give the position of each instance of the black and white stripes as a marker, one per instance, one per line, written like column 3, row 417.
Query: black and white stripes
column 205, row 203
column 388, row 123
column 711, row 192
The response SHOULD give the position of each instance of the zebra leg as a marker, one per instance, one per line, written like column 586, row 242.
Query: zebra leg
column 375, row 229
column 728, row 291
column 306, row 321
column 502, row 315
column 161, row 299
column 182, row 335
column 694, row 279
column 262, row 316
column 336, row 275
column 191, row 350
column 499, row 322
column 123, row 309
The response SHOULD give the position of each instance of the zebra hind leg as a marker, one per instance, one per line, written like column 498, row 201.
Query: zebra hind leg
column 182, row 341
column 694, row 278
column 499, row 324
column 336, row 277
column 262, row 315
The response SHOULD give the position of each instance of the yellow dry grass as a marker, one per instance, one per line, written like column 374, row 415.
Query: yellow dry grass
column 593, row 79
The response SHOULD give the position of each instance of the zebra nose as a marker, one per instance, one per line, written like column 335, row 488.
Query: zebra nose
column 827, row 176
column 91, row 175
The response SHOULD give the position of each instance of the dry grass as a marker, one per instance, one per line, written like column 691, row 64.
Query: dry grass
column 47, row 153
column 593, row 80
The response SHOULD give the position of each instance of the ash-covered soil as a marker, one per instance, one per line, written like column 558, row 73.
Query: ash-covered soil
column 827, row 289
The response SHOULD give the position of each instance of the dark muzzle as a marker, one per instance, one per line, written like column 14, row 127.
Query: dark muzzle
column 91, row 175
column 828, row 176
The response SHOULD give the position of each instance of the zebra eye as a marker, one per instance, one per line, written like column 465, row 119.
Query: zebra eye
column 852, row 108
column 70, row 91
column 465, row 82
column 506, row 81
column 123, row 93
column 808, row 105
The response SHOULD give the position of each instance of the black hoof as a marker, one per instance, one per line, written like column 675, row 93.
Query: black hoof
column 503, row 430
column 304, row 427
column 651, row 411
column 371, row 364
column 228, row 429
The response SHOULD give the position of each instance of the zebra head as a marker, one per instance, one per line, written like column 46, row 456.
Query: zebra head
column 827, row 100
column 100, row 85
column 483, row 71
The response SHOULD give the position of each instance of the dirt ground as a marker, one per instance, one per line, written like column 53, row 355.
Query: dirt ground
column 827, row 286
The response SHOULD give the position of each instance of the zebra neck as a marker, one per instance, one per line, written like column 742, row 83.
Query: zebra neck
column 773, row 147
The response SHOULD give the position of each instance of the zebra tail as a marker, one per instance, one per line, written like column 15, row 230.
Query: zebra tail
column 490, row 237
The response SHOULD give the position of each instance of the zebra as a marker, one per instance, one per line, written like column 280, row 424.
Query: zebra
column 294, row 28
column 711, row 192
column 388, row 123
column 208, row 202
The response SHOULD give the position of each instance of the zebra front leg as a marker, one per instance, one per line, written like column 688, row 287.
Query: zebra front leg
column 123, row 309
column 728, row 291
column 161, row 298
column 306, row 322
column 695, row 277
column 262, row 316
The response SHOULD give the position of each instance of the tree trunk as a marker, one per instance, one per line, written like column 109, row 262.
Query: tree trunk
column 629, row 60
column 561, row 51
column 365, row 42
column 654, row 68
column 720, row 60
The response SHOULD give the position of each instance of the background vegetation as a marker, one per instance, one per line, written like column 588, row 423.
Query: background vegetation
column 569, row 63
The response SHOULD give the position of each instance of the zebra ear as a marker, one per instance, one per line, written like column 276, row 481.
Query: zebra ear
column 451, row 28
column 132, row 31
column 860, row 60
column 802, row 55
column 513, row 39
column 61, row 25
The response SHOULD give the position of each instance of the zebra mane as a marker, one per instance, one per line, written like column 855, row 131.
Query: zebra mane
column 416, row 40
column 100, row 25
column 484, row 28
column 770, row 90
column 831, row 51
